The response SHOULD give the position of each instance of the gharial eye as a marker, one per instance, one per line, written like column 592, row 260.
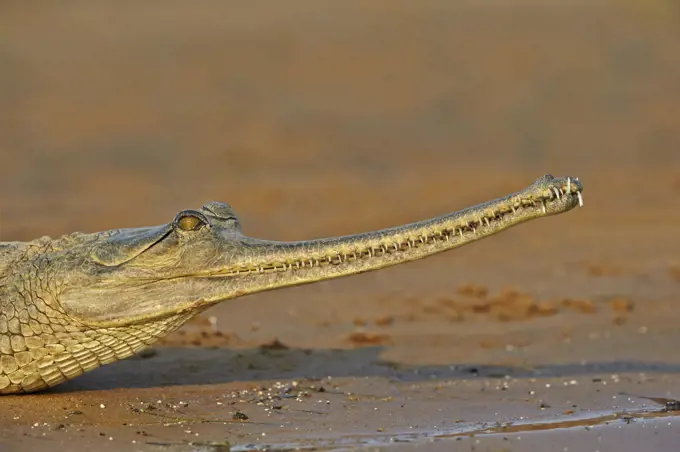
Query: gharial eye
column 189, row 222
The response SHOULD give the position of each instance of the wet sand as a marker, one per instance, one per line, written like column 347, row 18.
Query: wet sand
column 325, row 118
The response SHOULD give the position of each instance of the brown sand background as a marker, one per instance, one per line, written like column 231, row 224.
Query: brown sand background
column 321, row 118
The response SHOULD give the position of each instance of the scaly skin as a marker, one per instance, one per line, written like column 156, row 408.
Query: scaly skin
column 72, row 304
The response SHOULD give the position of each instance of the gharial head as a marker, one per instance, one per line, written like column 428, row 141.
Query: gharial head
column 128, row 276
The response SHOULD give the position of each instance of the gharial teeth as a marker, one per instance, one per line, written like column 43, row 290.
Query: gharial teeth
column 568, row 184
column 580, row 198
column 543, row 204
column 557, row 192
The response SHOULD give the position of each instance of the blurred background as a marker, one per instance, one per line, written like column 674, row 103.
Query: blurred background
column 318, row 118
column 300, row 112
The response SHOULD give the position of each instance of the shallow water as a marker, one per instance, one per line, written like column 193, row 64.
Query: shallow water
column 592, row 420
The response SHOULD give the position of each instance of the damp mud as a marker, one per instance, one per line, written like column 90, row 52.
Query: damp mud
column 314, row 120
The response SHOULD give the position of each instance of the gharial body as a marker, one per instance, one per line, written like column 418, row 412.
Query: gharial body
column 71, row 304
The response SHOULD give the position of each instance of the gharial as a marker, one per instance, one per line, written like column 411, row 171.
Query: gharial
column 71, row 304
